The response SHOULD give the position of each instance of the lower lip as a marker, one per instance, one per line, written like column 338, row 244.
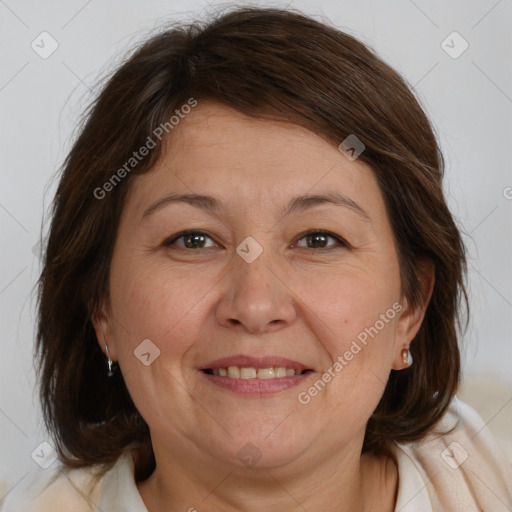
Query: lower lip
column 257, row 386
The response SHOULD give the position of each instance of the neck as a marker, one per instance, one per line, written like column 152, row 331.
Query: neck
column 344, row 481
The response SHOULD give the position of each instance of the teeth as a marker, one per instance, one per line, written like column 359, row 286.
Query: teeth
column 281, row 372
column 266, row 373
column 247, row 373
column 235, row 372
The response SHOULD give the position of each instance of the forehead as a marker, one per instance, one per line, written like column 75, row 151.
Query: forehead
column 216, row 129
column 219, row 151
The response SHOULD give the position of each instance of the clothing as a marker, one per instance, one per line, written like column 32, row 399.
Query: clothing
column 464, row 471
column 431, row 479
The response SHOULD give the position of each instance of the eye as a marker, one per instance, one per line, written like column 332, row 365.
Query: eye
column 190, row 240
column 317, row 239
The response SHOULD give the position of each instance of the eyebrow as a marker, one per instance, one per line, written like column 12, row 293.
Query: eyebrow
column 296, row 205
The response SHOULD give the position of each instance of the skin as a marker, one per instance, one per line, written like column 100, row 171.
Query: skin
column 295, row 300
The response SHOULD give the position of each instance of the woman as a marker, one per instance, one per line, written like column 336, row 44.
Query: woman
column 251, row 290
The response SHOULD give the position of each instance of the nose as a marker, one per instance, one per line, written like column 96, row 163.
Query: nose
column 256, row 297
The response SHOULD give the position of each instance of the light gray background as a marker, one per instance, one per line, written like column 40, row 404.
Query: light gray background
column 468, row 99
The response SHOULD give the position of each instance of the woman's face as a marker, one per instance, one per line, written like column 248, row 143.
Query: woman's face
column 252, row 284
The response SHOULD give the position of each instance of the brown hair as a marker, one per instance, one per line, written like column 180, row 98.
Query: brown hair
column 266, row 63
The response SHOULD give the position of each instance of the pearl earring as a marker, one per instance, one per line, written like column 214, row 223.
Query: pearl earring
column 407, row 357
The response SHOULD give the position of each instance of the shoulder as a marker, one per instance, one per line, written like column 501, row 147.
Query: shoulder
column 79, row 490
column 55, row 488
column 457, row 466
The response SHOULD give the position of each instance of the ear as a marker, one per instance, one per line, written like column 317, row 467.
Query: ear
column 102, row 327
column 411, row 318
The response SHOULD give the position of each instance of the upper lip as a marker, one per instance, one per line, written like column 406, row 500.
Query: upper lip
column 244, row 361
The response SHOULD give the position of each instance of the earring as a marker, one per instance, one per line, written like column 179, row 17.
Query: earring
column 406, row 357
column 110, row 372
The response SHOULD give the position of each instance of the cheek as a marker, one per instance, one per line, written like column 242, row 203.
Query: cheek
column 348, row 304
column 164, row 307
column 353, row 317
column 157, row 304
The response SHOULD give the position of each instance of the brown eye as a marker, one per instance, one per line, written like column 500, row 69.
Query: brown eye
column 320, row 240
column 190, row 240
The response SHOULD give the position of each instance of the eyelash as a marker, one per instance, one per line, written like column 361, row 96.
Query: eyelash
column 341, row 242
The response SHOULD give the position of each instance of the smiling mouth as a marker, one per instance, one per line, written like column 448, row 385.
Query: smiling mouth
column 236, row 372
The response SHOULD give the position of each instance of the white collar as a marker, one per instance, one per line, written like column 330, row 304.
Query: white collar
column 119, row 491
column 412, row 490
